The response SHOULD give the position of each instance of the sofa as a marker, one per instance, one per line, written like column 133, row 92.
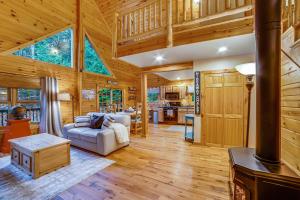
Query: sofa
column 102, row 141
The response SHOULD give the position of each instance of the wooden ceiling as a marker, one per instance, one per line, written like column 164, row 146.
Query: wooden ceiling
column 25, row 21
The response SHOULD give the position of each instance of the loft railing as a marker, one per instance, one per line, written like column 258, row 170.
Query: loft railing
column 195, row 11
column 3, row 117
column 291, row 16
column 157, row 17
column 31, row 113
column 290, row 13
column 142, row 21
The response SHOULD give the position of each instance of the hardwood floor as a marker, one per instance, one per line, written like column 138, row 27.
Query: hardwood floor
column 160, row 167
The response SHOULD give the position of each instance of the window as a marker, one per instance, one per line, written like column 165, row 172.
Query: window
column 4, row 106
column 109, row 97
column 29, row 98
column 57, row 49
column 153, row 95
column 92, row 61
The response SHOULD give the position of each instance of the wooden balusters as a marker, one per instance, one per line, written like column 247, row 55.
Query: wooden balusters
column 141, row 20
column 290, row 13
column 170, row 28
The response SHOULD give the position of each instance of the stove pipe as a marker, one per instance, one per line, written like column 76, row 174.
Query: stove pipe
column 268, row 59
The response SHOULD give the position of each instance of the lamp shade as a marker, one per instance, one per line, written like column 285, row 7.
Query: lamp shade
column 64, row 96
column 246, row 69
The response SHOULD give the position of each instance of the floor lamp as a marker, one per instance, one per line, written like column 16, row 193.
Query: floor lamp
column 248, row 70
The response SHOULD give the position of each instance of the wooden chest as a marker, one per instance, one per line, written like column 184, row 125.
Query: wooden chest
column 40, row 154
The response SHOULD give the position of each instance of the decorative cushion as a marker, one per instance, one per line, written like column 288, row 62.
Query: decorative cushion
column 108, row 120
column 82, row 121
column 97, row 121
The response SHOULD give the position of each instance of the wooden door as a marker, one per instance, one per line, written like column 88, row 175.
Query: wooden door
column 223, row 108
column 213, row 109
column 233, row 109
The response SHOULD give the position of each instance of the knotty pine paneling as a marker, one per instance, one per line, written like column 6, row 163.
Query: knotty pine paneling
column 22, row 72
column 23, row 22
column 290, row 114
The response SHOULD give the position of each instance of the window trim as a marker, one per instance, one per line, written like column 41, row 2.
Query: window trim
column 12, row 96
column 32, row 42
column 111, row 89
column 98, row 53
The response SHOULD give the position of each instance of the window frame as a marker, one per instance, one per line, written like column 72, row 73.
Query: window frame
column 73, row 50
column 111, row 97
column 86, row 35
column 12, row 96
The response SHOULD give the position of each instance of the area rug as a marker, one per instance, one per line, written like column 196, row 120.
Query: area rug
column 15, row 185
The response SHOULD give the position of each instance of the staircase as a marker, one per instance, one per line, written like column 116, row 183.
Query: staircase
column 290, row 84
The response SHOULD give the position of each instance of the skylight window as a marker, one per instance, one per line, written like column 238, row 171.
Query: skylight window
column 92, row 62
column 56, row 49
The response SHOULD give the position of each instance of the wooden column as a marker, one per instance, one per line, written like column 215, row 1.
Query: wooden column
column 115, row 36
column 144, row 104
column 78, row 49
column 268, row 39
column 170, row 23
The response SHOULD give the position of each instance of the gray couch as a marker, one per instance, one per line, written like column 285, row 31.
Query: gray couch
column 101, row 141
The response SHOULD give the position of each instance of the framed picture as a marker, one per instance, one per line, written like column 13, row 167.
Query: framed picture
column 88, row 94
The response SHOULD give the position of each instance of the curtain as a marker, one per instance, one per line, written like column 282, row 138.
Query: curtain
column 50, row 109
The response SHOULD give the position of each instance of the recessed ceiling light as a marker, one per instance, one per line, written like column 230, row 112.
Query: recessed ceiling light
column 178, row 78
column 222, row 49
column 159, row 58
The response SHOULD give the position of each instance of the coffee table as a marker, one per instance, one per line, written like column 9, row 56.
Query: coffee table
column 40, row 154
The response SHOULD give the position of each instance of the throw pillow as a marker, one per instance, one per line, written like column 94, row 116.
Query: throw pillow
column 108, row 120
column 96, row 122
column 82, row 121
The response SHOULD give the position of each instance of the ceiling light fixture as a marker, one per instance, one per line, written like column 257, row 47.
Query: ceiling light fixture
column 222, row 49
column 178, row 78
column 197, row 1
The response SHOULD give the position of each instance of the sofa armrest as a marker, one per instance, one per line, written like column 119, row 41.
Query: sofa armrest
column 66, row 128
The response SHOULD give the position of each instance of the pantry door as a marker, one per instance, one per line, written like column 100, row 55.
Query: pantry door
column 213, row 109
column 223, row 103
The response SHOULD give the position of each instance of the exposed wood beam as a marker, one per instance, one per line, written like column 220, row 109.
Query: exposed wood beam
column 144, row 95
column 168, row 68
column 78, row 47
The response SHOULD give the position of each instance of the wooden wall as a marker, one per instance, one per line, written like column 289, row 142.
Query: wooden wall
column 290, row 116
column 25, row 22
column 290, row 102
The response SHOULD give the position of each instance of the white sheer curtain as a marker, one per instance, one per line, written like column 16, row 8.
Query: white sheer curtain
column 50, row 109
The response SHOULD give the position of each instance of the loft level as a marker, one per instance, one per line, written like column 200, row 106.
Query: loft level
column 157, row 24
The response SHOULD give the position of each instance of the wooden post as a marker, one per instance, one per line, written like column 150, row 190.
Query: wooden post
column 268, row 36
column 144, row 94
column 170, row 28
column 78, row 49
column 115, row 36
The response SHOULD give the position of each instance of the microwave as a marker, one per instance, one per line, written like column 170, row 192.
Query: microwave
column 172, row 96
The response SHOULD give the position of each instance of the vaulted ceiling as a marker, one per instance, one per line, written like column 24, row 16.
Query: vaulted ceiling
column 29, row 20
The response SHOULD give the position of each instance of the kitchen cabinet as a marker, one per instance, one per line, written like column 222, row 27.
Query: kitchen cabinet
column 182, row 92
column 160, row 115
column 168, row 88
column 176, row 89
column 182, row 112
column 162, row 92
